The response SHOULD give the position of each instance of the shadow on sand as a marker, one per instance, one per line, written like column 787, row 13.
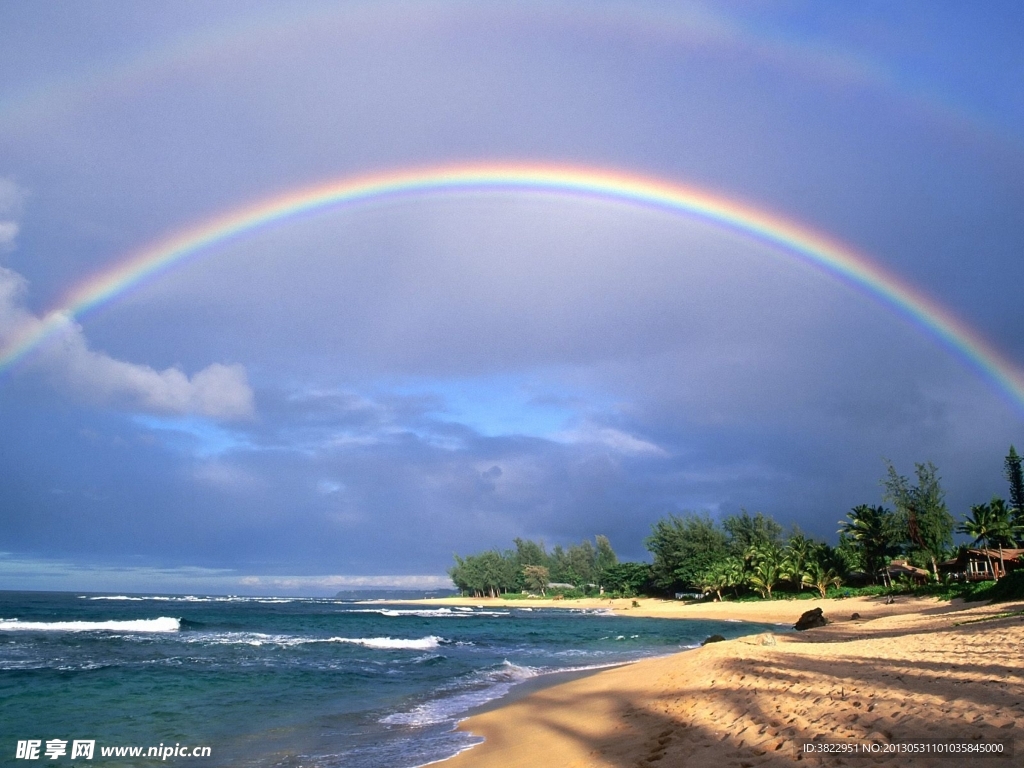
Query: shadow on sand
column 755, row 708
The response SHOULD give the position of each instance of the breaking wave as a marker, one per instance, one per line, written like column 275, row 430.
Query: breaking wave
column 478, row 689
column 257, row 639
column 390, row 643
column 162, row 624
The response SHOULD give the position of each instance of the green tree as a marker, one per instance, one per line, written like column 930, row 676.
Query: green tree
column 558, row 564
column 746, row 531
column 1004, row 531
column 767, row 568
column 1015, row 476
column 730, row 573
column 536, row 578
column 921, row 508
column 606, row 557
column 576, row 565
column 494, row 572
column 796, row 556
column 821, row 577
column 459, row 575
column 735, row 570
column 715, row 579
column 582, row 559
column 848, row 555
column 978, row 525
column 530, row 553
column 684, row 548
column 874, row 533
column 630, row 579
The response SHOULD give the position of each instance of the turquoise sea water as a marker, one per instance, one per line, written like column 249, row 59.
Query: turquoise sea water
column 289, row 682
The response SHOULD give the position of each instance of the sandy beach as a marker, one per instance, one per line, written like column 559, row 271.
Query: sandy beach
column 915, row 670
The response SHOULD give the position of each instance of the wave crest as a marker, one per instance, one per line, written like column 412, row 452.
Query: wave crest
column 162, row 624
column 390, row 643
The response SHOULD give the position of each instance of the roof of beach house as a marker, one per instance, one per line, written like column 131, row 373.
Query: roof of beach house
column 1008, row 553
column 902, row 566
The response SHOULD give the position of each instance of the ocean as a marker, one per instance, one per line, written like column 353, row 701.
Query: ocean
column 288, row 682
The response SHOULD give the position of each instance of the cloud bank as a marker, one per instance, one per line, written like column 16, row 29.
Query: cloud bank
column 218, row 391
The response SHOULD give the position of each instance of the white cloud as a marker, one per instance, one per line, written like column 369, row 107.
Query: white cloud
column 13, row 316
column 617, row 440
column 328, row 582
column 328, row 487
column 217, row 391
column 227, row 477
column 11, row 196
column 8, row 231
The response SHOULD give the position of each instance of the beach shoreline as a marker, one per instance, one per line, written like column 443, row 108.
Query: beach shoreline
column 780, row 612
column 916, row 670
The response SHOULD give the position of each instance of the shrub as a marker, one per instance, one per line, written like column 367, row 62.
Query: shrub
column 1010, row 587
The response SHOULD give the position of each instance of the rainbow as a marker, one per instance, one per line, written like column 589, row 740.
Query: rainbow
column 676, row 25
column 786, row 236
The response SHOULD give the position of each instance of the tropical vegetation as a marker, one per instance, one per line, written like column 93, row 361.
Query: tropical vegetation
column 747, row 554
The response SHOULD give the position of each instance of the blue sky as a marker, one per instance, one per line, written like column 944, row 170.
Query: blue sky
column 349, row 398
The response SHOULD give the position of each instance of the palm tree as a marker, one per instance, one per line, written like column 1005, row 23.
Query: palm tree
column 980, row 526
column 714, row 579
column 767, row 567
column 817, row 575
column 735, row 571
column 875, row 531
column 797, row 554
column 1002, row 530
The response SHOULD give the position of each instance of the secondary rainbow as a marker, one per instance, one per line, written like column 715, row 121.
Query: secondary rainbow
column 784, row 235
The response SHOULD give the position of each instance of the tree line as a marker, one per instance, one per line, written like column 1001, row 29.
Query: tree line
column 532, row 568
column 747, row 553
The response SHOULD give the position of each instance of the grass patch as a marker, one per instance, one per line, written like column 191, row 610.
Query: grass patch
column 1003, row 615
column 1010, row 587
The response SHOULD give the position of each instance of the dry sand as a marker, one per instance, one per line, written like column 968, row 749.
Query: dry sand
column 902, row 673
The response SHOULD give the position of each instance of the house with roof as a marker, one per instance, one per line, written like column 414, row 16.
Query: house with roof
column 982, row 564
column 901, row 568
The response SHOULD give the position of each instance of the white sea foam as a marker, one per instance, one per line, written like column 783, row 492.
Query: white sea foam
column 208, row 599
column 162, row 624
column 157, row 598
column 257, row 639
column 485, row 686
column 390, row 643
column 430, row 613
column 425, row 613
column 581, row 653
column 115, row 597
column 378, row 643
